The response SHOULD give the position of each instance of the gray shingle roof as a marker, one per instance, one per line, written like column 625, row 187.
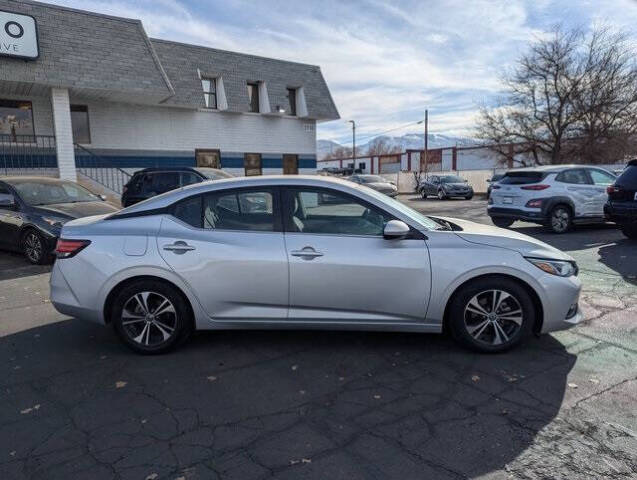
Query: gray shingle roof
column 89, row 52
column 182, row 62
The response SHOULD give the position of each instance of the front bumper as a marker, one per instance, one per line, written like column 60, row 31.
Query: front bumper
column 534, row 216
column 561, row 294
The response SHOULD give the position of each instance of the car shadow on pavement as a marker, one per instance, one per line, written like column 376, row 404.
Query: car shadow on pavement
column 290, row 404
column 14, row 265
column 620, row 256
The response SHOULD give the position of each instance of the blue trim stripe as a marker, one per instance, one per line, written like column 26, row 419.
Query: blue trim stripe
column 133, row 161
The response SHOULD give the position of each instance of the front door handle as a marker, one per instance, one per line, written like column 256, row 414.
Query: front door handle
column 306, row 253
column 179, row 247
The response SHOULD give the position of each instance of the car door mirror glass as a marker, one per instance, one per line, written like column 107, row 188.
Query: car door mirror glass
column 395, row 229
column 7, row 200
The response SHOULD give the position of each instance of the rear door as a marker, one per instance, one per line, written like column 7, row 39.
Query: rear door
column 342, row 269
column 580, row 189
column 228, row 246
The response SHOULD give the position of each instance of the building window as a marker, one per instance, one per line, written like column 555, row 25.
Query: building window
column 252, row 164
column 253, row 96
column 292, row 101
column 209, row 92
column 290, row 164
column 79, row 123
column 16, row 118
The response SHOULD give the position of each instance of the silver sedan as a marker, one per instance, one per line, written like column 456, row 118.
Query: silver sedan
column 306, row 252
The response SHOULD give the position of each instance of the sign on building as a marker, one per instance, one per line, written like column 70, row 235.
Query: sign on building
column 18, row 36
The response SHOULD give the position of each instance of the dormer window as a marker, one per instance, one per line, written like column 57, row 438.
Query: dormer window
column 292, row 101
column 209, row 92
column 253, row 96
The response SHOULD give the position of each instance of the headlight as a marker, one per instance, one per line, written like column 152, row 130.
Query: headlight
column 561, row 268
column 55, row 221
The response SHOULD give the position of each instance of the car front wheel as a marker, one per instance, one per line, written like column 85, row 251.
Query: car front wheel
column 150, row 317
column 34, row 248
column 441, row 195
column 502, row 222
column 491, row 315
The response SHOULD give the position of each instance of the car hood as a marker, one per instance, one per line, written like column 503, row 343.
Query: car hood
column 76, row 210
column 380, row 186
column 456, row 185
column 501, row 237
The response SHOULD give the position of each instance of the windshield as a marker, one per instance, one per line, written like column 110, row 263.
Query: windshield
column 451, row 179
column 214, row 174
column 372, row 179
column 402, row 208
column 34, row 193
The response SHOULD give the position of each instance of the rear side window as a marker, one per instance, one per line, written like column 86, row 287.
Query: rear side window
column 165, row 181
column 577, row 177
column 188, row 178
column 251, row 210
column 628, row 178
column 522, row 178
column 189, row 211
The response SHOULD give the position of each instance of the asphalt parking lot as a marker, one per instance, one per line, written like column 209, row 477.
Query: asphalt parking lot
column 74, row 403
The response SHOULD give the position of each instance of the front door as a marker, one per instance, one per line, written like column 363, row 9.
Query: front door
column 580, row 189
column 208, row 158
column 290, row 164
column 601, row 181
column 341, row 267
column 229, row 248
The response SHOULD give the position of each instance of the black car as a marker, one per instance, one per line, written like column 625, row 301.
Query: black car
column 621, row 206
column 154, row 181
column 445, row 186
column 33, row 210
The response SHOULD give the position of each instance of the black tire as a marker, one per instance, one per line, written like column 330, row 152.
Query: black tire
column 423, row 194
column 560, row 219
column 34, row 248
column 630, row 231
column 468, row 197
column 441, row 194
column 487, row 334
column 131, row 330
column 502, row 222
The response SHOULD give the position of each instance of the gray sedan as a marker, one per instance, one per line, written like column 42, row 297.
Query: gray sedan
column 376, row 182
column 306, row 252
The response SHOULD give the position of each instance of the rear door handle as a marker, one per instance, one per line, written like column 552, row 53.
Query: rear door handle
column 307, row 253
column 179, row 247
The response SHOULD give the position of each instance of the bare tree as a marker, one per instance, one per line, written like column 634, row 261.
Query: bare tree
column 570, row 92
column 381, row 146
column 338, row 153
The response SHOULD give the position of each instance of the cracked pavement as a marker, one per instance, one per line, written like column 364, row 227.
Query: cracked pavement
column 75, row 403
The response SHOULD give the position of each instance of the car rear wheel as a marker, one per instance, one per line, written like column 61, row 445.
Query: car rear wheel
column 630, row 231
column 468, row 197
column 502, row 222
column 150, row 317
column 560, row 219
column 491, row 315
column 34, row 248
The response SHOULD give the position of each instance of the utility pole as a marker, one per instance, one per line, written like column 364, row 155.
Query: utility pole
column 426, row 141
column 353, row 144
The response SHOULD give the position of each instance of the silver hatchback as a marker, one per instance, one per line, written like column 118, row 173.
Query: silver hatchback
column 306, row 252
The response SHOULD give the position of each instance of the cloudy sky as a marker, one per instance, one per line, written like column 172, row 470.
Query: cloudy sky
column 385, row 61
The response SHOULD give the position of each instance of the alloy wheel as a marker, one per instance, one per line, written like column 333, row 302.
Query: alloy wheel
column 560, row 219
column 441, row 195
column 493, row 317
column 149, row 319
column 33, row 247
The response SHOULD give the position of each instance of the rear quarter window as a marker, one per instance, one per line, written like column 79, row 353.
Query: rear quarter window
column 522, row 178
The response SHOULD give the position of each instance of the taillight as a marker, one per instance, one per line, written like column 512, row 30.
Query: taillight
column 124, row 188
column 68, row 248
column 612, row 189
column 535, row 187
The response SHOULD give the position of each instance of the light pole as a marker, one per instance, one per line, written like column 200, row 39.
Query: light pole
column 353, row 144
column 426, row 141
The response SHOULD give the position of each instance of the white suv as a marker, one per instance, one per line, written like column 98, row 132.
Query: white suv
column 556, row 196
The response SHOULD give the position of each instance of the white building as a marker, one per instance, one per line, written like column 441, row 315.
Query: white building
column 80, row 89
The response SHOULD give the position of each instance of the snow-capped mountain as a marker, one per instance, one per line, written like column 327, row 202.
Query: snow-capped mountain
column 404, row 142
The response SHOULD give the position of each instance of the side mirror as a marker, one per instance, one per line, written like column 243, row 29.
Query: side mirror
column 395, row 230
column 7, row 200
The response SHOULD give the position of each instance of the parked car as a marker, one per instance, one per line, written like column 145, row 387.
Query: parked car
column 445, row 186
column 621, row 206
column 377, row 183
column 557, row 196
column 492, row 181
column 33, row 210
column 202, row 257
column 149, row 182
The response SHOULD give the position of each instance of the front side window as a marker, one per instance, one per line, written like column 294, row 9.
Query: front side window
column 79, row 124
column 319, row 211
column 577, row 177
column 253, row 97
column 601, row 178
column 251, row 210
column 209, row 92
column 16, row 118
column 165, row 181
column 188, row 178
column 292, row 101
